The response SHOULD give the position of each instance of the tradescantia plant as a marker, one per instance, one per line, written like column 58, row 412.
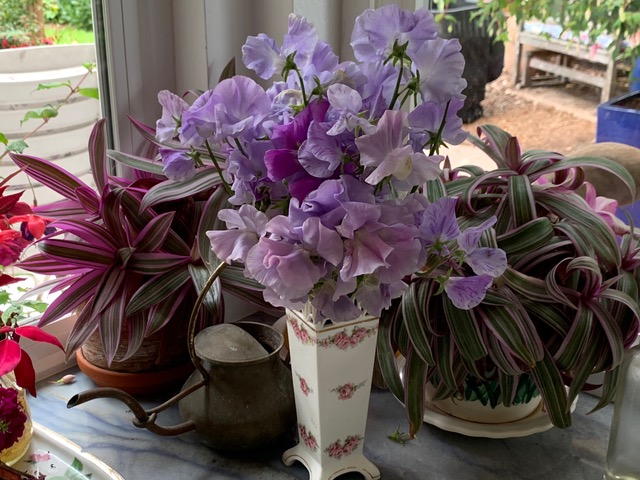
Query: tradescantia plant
column 131, row 254
column 565, row 307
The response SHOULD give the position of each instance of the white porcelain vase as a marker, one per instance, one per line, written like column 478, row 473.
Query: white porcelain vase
column 332, row 367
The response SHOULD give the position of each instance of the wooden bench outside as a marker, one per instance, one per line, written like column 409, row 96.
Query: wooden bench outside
column 542, row 47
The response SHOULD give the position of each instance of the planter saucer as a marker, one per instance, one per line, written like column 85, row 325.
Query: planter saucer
column 52, row 455
column 537, row 422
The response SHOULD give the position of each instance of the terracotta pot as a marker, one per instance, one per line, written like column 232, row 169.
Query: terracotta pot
column 138, row 383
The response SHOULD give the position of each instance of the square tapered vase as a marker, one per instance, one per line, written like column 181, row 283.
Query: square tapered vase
column 332, row 368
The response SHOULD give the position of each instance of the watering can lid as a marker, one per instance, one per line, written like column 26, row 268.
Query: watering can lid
column 228, row 343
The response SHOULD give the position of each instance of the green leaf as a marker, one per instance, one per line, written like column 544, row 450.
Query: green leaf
column 89, row 92
column 611, row 378
column 17, row 146
column 90, row 66
column 415, row 372
column 213, row 298
column 575, row 342
column 527, row 237
column 3, row 139
column 386, row 354
column 515, row 329
column 465, row 331
column 576, row 209
column 157, row 289
column 49, row 85
column 44, row 114
column 413, row 317
column 204, row 179
column 229, row 70
column 521, row 200
column 139, row 163
column 549, row 382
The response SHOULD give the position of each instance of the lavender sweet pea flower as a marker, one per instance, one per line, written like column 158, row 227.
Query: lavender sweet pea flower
column 439, row 222
column 262, row 55
column 374, row 296
column 376, row 31
column 198, row 121
column 172, row 108
column 347, row 104
column 377, row 91
column 321, row 154
column 242, row 107
column 245, row 227
column 467, row 292
column 483, row 260
column 286, row 268
column 440, row 64
column 176, row 164
column 384, row 149
column 425, row 120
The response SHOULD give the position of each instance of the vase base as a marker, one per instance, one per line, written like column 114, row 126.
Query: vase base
column 356, row 463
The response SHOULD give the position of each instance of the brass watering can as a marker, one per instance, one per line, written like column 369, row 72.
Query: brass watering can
column 240, row 397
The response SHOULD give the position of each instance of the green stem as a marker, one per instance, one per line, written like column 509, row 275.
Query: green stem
column 226, row 186
column 396, row 91
column 304, row 94
column 194, row 315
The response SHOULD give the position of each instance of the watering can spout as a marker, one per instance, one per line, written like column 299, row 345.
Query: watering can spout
column 143, row 418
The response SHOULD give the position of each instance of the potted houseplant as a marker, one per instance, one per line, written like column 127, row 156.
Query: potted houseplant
column 17, row 374
column 128, row 258
column 566, row 305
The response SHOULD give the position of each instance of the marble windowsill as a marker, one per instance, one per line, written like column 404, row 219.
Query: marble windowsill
column 104, row 429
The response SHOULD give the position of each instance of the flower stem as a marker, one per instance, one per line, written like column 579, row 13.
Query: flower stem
column 302, row 90
column 396, row 91
column 226, row 186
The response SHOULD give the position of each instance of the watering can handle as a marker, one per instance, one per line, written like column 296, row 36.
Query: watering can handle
column 194, row 315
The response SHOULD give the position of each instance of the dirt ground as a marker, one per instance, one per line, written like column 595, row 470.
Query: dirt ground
column 558, row 118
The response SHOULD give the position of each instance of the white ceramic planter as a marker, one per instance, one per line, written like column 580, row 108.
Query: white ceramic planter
column 332, row 366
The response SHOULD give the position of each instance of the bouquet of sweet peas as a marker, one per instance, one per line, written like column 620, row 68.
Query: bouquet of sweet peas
column 326, row 168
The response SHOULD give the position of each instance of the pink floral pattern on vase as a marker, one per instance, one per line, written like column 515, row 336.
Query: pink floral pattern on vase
column 301, row 333
column 307, row 438
column 339, row 449
column 344, row 341
column 304, row 386
column 346, row 391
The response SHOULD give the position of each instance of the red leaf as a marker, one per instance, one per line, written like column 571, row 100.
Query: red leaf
column 25, row 374
column 7, row 203
column 38, row 335
column 10, row 354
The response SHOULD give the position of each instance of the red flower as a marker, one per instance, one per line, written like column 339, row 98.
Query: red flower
column 346, row 391
column 11, row 246
column 12, row 418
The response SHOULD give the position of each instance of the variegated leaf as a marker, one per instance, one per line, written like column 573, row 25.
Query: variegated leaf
column 157, row 289
column 205, row 179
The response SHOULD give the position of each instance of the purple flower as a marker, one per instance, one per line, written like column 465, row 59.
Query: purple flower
column 376, row 31
column 426, row 118
column 245, row 227
column 484, row 260
column 286, row 269
column 440, row 64
column 439, row 223
column 346, row 103
column 172, row 108
column 262, row 55
column 321, row 154
column 374, row 296
column 198, row 121
column 12, row 418
column 467, row 292
column 242, row 106
column 377, row 91
column 177, row 164
column 384, row 149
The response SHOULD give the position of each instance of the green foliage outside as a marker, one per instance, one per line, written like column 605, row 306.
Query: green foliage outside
column 75, row 13
column 22, row 22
